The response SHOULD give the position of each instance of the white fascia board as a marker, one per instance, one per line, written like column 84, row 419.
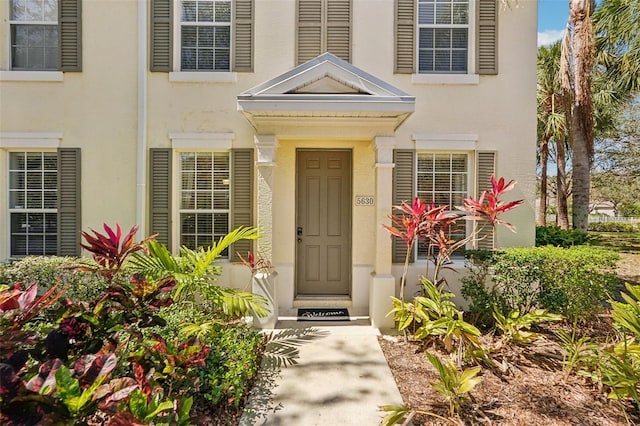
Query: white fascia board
column 324, row 65
column 315, row 104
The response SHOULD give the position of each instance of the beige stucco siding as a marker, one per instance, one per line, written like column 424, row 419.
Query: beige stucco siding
column 97, row 110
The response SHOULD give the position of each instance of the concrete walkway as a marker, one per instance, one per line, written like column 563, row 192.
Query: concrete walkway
column 341, row 378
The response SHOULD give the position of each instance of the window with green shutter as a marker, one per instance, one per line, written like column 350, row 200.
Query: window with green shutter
column 485, row 167
column 323, row 26
column 435, row 36
column 45, row 35
column 213, row 35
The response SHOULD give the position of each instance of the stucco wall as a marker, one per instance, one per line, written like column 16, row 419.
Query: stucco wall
column 95, row 110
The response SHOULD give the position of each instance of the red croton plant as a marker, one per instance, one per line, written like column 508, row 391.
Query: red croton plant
column 57, row 360
column 432, row 225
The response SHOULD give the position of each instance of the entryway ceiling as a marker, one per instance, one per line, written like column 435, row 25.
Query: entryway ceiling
column 325, row 91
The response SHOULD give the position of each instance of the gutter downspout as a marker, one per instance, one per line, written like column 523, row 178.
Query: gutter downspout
column 141, row 168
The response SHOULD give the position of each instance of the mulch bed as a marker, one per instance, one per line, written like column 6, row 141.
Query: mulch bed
column 531, row 390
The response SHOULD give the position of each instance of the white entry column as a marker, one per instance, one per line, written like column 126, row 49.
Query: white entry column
column 382, row 284
column 266, row 146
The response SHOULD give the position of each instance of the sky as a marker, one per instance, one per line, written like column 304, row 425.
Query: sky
column 552, row 19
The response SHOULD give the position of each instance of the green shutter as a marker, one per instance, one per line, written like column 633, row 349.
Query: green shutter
column 70, row 35
column 309, row 31
column 241, row 198
column 405, row 36
column 487, row 37
column 243, row 36
column 403, row 190
column 161, row 17
column 485, row 167
column 339, row 28
column 160, row 194
column 69, row 211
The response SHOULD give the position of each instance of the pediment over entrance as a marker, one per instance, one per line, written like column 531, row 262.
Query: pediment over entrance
column 325, row 88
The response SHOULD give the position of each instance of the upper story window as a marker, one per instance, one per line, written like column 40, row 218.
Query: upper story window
column 210, row 39
column 45, row 35
column 205, row 35
column 443, row 36
column 444, row 41
column 323, row 26
column 34, row 34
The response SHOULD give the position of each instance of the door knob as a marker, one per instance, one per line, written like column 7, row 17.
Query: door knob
column 299, row 231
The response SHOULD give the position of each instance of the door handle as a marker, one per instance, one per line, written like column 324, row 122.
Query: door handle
column 299, row 231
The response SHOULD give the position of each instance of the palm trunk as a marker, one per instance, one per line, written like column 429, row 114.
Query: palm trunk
column 581, row 170
column 562, row 215
column 544, row 159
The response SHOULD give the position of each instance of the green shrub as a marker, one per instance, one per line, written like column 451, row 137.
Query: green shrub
column 573, row 282
column 555, row 236
column 47, row 270
column 479, row 290
column 231, row 365
column 612, row 227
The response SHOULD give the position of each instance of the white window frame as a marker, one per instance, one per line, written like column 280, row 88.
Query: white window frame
column 448, row 143
column 25, row 209
column 18, row 142
column 26, row 74
column 190, row 76
column 198, row 143
column 470, row 77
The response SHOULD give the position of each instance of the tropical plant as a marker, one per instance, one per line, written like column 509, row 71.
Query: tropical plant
column 195, row 272
column 453, row 385
column 577, row 352
column 515, row 327
column 550, row 114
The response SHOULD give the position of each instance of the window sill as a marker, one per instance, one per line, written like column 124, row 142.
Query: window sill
column 457, row 263
column 34, row 76
column 203, row 77
column 446, row 79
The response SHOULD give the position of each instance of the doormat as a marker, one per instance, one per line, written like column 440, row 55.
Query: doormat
column 323, row 314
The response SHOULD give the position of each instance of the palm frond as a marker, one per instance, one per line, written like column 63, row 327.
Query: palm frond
column 283, row 347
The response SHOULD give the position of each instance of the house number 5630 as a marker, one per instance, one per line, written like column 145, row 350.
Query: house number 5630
column 365, row 200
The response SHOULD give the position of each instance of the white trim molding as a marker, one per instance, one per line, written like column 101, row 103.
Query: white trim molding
column 445, row 141
column 30, row 140
column 202, row 140
column 32, row 76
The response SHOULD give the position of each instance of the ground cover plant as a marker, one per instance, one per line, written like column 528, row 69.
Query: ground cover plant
column 132, row 346
column 558, row 343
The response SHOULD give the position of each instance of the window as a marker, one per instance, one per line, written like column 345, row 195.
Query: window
column 204, row 197
column 205, row 35
column 443, row 36
column 34, row 34
column 446, row 40
column 196, row 35
column 443, row 178
column 33, row 195
column 323, row 26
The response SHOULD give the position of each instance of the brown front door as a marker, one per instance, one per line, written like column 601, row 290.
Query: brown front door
column 323, row 223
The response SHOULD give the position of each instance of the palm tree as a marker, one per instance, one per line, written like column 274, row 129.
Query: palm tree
column 578, row 54
column 551, row 118
column 616, row 75
column 617, row 24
